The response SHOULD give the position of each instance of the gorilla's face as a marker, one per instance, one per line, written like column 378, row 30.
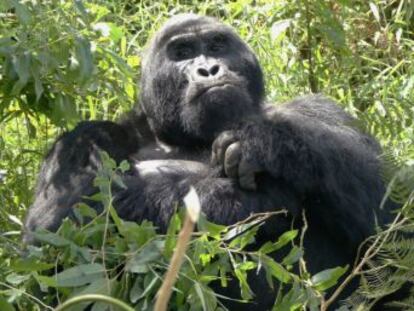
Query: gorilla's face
column 199, row 78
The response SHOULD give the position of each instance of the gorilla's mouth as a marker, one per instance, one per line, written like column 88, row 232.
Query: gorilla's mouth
column 199, row 90
column 213, row 87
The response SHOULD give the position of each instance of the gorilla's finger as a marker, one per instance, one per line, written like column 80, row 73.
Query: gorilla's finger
column 220, row 146
column 232, row 159
column 226, row 141
column 213, row 160
column 247, row 173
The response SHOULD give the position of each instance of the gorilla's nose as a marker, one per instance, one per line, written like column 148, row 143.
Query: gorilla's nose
column 207, row 72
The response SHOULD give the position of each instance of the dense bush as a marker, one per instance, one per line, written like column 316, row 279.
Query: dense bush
column 64, row 61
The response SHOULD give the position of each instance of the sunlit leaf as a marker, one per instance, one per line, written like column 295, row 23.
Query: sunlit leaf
column 279, row 27
column 375, row 11
column 327, row 278
column 275, row 269
column 283, row 240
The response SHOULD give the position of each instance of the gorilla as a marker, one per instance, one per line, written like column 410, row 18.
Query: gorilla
column 202, row 121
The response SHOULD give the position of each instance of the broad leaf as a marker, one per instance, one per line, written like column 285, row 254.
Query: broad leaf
column 327, row 278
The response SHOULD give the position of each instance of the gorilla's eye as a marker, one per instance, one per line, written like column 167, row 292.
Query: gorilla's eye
column 184, row 50
column 218, row 43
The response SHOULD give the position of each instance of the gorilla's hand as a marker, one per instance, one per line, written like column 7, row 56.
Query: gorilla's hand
column 227, row 153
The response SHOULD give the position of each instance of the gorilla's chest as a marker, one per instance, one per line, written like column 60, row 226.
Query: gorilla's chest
column 159, row 151
column 156, row 160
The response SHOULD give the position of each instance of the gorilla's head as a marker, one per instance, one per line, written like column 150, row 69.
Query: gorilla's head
column 198, row 79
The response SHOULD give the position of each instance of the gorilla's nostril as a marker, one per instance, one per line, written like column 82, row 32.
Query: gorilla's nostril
column 203, row 72
column 214, row 70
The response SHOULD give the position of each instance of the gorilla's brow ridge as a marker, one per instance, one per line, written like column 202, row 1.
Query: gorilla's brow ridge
column 189, row 27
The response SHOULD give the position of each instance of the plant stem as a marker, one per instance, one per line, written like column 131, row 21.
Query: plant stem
column 94, row 297
column 164, row 293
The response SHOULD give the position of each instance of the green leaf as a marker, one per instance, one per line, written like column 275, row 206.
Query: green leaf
column 6, row 5
column 51, row 238
column 98, row 286
column 7, row 49
column 30, row 264
column 292, row 300
column 5, row 305
column 80, row 275
column 224, row 266
column 294, row 255
column 21, row 64
column 64, row 111
column 136, row 291
column 120, row 63
column 327, row 278
column 37, row 82
column 246, row 292
column 45, row 281
column 149, row 253
column 84, row 57
column 124, row 166
column 81, row 9
column 107, row 161
column 116, row 33
column 23, row 14
column 247, row 265
column 214, row 231
column 275, row 269
column 245, row 237
column 150, row 282
column 284, row 239
column 139, row 235
column 99, row 196
column 118, row 181
column 17, row 279
column 85, row 210
column 200, row 295
column 114, row 215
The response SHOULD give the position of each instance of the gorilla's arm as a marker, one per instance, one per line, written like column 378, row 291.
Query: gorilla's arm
column 157, row 188
column 311, row 145
column 68, row 170
column 154, row 188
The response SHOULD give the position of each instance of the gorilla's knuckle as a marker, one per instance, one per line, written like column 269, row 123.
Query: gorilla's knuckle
column 233, row 148
column 232, row 159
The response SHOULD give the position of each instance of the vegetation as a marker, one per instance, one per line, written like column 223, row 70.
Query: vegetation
column 70, row 60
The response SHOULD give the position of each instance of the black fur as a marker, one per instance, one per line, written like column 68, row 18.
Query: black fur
column 202, row 87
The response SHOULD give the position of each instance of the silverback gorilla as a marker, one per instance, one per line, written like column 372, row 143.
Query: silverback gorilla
column 202, row 121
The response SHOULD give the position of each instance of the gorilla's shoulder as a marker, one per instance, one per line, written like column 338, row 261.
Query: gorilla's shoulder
column 314, row 106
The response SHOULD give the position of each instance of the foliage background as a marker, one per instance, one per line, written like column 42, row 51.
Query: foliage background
column 66, row 61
